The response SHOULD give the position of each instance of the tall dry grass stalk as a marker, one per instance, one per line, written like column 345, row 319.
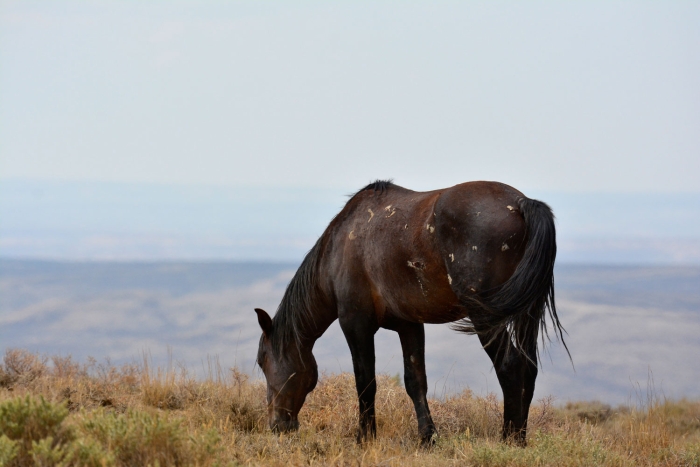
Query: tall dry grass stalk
column 102, row 414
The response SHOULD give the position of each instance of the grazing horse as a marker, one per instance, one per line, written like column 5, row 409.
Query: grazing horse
column 479, row 254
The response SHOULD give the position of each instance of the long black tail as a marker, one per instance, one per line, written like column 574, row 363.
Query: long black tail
column 520, row 305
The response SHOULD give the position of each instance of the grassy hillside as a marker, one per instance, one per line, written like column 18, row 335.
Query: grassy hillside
column 56, row 411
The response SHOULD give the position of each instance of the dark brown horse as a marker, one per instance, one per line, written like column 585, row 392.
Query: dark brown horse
column 480, row 253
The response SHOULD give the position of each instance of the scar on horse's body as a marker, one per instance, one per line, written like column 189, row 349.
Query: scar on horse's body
column 395, row 258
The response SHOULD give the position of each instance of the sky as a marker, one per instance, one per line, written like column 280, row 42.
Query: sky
column 131, row 129
column 564, row 96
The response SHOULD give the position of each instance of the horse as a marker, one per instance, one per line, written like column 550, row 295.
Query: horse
column 479, row 255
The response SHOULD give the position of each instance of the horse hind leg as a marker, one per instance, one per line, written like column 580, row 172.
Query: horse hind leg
column 516, row 371
column 530, row 375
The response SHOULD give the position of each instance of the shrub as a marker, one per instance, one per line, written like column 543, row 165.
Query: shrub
column 144, row 438
column 8, row 450
column 20, row 367
column 29, row 421
column 690, row 456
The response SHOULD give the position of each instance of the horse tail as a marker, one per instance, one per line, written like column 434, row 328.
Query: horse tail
column 520, row 305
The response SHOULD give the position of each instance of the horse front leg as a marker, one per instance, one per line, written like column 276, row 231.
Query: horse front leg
column 360, row 337
column 412, row 337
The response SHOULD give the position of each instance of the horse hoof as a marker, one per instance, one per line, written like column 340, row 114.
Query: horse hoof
column 429, row 440
column 362, row 438
column 516, row 439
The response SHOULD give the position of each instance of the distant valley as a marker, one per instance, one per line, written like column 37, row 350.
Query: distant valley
column 626, row 325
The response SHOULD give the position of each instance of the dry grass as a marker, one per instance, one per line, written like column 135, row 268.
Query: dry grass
column 56, row 411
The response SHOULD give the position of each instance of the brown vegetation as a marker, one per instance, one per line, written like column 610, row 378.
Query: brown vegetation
column 55, row 411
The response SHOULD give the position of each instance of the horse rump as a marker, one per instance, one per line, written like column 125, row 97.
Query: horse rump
column 519, row 306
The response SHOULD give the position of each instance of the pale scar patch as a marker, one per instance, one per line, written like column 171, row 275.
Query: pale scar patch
column 429, row 227
column 452, row 257
column 352, row 235
column 475, row 248
column 510, row 208
column 390, row 211
column 449, row 279
column 371, row 215
column 505, row 247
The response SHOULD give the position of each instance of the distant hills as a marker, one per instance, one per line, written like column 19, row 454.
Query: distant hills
column 627, row 326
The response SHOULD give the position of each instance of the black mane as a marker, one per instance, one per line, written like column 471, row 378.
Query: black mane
column 303, row 298
column 377, row 185
column 299, row 303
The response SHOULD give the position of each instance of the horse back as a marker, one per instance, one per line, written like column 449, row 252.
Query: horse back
column 415, row 255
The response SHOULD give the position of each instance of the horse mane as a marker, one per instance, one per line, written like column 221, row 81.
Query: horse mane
column 303, row 297
column 377, row 185
column 298, row 307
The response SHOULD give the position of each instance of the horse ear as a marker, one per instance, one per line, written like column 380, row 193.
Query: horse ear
column 265, row 321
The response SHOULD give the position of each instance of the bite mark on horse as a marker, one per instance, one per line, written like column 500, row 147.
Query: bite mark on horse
column 371, row 215
column 390, row 211
column 505, row 247
column 352, row 235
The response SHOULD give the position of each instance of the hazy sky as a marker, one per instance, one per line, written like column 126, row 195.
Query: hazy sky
column 566, row 96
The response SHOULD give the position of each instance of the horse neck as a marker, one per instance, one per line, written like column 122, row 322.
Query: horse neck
column 305, row 311
column 300, row 322
column 310, row 327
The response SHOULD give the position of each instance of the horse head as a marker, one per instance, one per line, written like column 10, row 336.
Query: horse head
column 291, row 373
